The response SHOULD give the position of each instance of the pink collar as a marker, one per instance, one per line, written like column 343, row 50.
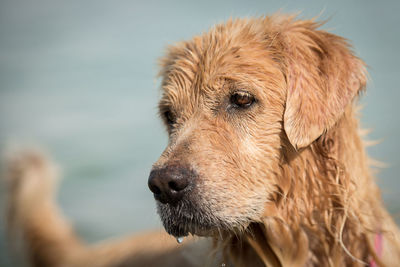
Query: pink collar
column 378, row 243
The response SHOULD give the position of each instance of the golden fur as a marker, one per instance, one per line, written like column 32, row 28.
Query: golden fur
column 285, row 182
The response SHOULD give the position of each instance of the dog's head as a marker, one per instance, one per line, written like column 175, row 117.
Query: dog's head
column 234, row 101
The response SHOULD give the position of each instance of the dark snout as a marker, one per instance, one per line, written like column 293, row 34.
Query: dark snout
column 171, row 183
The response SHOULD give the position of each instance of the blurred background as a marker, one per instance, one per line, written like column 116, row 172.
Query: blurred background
column 78, row 77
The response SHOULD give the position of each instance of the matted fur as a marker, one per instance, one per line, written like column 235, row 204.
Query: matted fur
column 285, row 182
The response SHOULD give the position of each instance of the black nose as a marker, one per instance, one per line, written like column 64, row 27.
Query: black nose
column 171, row 183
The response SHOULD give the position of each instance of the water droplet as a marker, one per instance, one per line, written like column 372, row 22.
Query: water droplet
column 180, row 239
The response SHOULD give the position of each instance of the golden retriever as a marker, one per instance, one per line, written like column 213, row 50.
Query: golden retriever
column 264, row 162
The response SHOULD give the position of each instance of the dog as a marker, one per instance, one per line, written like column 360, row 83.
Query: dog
column 265, row 164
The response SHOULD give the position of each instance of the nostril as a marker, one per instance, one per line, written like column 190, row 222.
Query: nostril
column 154, row 189
column 175, row 186
column 178, row 184
column 154, row 183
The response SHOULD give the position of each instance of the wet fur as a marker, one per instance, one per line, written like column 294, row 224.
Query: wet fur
column 284, row 183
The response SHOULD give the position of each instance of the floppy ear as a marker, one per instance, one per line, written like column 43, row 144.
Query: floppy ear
column 323, row 77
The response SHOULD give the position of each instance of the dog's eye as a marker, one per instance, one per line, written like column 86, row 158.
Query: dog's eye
column 169, row 117
column 242, row 99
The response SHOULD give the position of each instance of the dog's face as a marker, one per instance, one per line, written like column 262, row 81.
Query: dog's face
column 225, row 104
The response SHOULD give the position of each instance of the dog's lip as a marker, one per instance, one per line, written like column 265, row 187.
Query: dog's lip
column 205, row 232
column 162, row 199
column 181, row 227
column 187, row 217
column 178, row 233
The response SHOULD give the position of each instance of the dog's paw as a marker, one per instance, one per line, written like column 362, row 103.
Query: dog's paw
column 28, row 174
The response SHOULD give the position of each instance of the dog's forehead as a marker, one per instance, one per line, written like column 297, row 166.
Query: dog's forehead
column 231, row 52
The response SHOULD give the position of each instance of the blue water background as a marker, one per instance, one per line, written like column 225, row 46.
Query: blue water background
column 78, row 77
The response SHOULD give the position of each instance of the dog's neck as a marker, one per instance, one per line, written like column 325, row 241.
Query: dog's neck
column 323, row 200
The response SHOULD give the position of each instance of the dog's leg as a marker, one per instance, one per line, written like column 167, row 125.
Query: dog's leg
column 47, row 238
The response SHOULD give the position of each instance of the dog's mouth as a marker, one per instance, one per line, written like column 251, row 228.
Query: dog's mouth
column 195, row 209
column 186, row 218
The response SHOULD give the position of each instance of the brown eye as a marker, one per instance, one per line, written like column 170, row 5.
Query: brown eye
column 242, row 99
column 169, row 117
